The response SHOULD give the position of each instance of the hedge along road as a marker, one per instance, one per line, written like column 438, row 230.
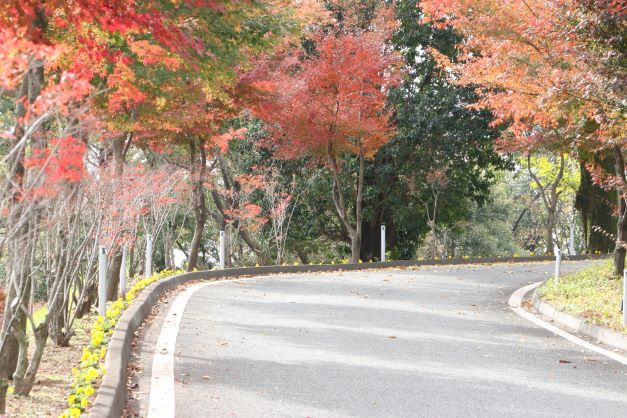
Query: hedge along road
column 436, row 341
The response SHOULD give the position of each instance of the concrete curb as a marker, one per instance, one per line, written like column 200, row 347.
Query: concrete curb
column 600, row 333
column 111, row 397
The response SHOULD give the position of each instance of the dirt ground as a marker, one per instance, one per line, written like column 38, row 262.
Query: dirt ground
column 47, row 398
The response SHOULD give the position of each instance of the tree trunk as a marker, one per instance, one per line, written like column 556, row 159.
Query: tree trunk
column 199, row 228
column 548, row 234
column 370, row 239
column 434, row 240
column 353, row 230
column 24, row 384
column 19, row 245
column 302, row 254
column 355, row 248
column 131, row 262
column 621, row 233
column 200, row 204
column 550, row 198
column 113, row 270
column 90, row 293
column 595, row 206
column 359, row 198
column 168, row 249
column 58, row 329
column 228, row 256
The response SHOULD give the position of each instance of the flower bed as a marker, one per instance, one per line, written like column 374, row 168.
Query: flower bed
column 91, row 369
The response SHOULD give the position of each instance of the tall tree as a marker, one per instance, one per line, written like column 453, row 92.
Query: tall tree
column 74, row 70
column 331, row 104
column 435, row 130
column 555, row 71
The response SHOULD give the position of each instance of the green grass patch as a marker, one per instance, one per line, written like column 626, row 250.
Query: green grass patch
column 594, row 294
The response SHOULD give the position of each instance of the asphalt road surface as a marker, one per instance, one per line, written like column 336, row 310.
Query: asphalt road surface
column 431, row 342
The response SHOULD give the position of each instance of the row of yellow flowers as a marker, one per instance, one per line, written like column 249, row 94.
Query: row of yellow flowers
column 92, row 368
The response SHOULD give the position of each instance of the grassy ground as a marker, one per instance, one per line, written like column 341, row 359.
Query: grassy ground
column 594, row 294
column 47, row 398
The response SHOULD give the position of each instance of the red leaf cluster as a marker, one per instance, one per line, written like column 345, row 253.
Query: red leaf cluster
column 333, row 102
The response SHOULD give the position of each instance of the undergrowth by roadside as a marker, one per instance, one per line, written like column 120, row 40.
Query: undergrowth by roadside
column 55, row 372
column 594, row 293
column 78, row 367
column 89, row 374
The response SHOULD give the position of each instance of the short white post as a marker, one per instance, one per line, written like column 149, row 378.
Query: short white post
column 571, row 241
column 558, row 265
column 624, row 297
column 382, row 243
column 222, row 250
column 148, row 271
column 123, row 272
column 102, row 281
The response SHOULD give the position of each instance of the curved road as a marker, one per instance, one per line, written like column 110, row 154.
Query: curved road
column 431, row 342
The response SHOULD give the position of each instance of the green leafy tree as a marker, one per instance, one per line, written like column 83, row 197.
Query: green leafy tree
column 435, row 130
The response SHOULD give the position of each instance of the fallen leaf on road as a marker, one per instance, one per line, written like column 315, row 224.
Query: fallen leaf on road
column 391, row 337
column 224, row 343
column 204, row 377
column 565, row 361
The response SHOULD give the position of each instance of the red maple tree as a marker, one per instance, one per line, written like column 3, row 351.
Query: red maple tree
column 331, row 105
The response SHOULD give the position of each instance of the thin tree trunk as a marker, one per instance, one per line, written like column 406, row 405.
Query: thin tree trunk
column 621, row 233
column 354, row 231
column 550, row 197
column 200, row 204
column 131, row 262
column 548, row 232
column 24, row 384
column 302, row 255
column 19, row 246
column 356, row 242
column 113, row 273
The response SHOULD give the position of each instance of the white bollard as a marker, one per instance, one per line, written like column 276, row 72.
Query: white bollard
column 558, row 265
column 222, row 250
column 148, row 271
column 222, row 254
column 102, row 281
column 624, row 296
column 123, row 273
column 382, row 243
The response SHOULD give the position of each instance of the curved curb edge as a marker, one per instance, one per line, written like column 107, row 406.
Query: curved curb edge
column 515, row 302
column 600, row 333
column 112, row 393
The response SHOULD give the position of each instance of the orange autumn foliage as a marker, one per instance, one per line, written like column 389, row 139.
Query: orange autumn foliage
column 332, row 103
column 541, row 67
